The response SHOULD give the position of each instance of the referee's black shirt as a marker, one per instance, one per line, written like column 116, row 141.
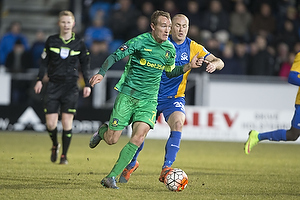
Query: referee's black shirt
column 60, row 59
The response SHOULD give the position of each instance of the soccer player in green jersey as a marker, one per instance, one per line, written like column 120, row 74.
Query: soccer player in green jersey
column 149, row 54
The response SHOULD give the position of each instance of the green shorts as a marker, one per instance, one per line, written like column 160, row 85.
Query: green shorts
column 128, row 110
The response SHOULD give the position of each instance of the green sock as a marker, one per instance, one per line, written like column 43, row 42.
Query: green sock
column 102, row 130
column 125, row 157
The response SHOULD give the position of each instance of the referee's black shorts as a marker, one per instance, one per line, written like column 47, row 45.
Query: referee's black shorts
column 61, row 97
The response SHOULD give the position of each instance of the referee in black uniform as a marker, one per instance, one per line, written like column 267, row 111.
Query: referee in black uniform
column 60, row 59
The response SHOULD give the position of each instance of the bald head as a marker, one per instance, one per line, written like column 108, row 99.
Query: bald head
column 180, row 27
column 179, row 17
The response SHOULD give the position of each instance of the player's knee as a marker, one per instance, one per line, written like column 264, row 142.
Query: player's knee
column 51, row 126
column 178, row 125
column 111, row 140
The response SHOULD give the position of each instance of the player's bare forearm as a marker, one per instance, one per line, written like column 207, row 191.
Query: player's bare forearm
column 214, row 64
column 218, row 63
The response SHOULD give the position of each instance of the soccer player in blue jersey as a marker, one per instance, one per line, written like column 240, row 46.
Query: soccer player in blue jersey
column 171, row 100
column 281, row 134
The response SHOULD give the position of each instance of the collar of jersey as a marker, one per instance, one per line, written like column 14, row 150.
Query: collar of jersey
column 68, row 41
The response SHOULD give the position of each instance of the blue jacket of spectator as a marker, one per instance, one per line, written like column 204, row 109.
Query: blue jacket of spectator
column 7, row 43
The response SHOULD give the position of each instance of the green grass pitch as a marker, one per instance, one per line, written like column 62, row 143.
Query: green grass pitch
column 216, row 170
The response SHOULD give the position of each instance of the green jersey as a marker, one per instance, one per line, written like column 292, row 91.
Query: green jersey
column 147, row 60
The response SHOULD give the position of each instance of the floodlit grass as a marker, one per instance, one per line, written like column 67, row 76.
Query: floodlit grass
column 216, row 170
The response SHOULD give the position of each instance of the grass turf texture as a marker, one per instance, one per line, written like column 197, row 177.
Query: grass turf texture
column 216, row 170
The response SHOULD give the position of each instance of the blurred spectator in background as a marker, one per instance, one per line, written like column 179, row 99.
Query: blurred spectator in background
column 99, row 51
column 215, row 22
column 147, row 8
column 288, row 33
column 122, row 19
column 213, row 46
column 9, row 39
column 240, row 20
column 37, row 48
column 98, row 31
column 170, row 7
column 202, row 5
column 242, row 56
column 193, row 13
column 264, row 22
column 99, row 5
column 285, row 67
column 261, row 61
column 296, row 47
column 194, row 32
column 142, row 26
column 17, row 61
column 232, row 64
column 282, row 55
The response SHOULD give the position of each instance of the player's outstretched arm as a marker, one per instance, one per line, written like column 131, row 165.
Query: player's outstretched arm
column 178, row 70
column 97, row 78
column 213, row 63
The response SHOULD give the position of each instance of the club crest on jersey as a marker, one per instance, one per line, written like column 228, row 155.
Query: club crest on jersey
column 64, row 52
column 167, row 54
column 123, row 47
column 184, row 56
column 115, row 122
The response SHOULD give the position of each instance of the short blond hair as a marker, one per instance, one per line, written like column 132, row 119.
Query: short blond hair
column 66, row 13
column 156, row 14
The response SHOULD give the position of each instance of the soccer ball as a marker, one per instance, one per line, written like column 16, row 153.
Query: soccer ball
column 176, row 180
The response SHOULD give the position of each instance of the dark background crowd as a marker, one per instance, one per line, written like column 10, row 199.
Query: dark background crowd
column 257, row 37
column 252, row 37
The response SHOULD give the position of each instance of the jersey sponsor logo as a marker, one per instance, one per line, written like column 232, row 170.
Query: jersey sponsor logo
column 153, row 65
column 123, row 47
column 64, row 52
column 143, row 61
column 147, row 49
column 115, row 122
column 184, row 56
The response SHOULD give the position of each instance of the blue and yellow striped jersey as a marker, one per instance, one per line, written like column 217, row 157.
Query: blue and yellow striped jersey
column 175, row 87
column 295, row 70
